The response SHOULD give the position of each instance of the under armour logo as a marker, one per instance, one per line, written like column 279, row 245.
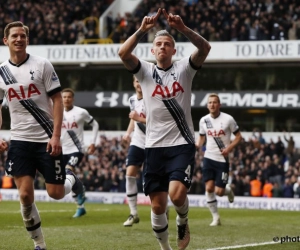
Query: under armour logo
column 32, row 72
column 10, row 166
column 59, row 177
column 187, row 179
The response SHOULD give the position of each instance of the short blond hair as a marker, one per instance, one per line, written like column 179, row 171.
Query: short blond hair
column 68, row 90
column 164, row 33
column 214, row 95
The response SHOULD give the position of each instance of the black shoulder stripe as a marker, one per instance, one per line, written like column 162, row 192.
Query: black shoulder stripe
column 54, row 91
column 136, row 69
column 193, row 65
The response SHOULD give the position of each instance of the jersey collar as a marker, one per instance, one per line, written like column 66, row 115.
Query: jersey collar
column 18, row 65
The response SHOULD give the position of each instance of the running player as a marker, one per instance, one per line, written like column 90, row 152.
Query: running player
column 72, row 139
column 33, row 93
column 170, row 143
column 136, row 152
column 216, row 129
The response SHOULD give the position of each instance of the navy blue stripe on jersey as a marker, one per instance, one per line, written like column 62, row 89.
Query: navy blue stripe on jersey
column 178, row 116
column 75, row 139
column 7, row 76
column 39, row 115
column 142, row 127
column 208, row 123
column 54, row 91
column 132, row 104
column 156, row 77
column 219, row 142
column 221, row 145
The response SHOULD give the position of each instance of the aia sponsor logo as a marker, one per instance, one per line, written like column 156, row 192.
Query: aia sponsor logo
column 69, row 125
column 166, row 92
column 216, row 133
column 22, row 92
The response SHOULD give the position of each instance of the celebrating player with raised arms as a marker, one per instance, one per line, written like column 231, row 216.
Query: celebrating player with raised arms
column 170, row 144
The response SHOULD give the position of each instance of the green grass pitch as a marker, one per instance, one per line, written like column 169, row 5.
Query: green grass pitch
column 102, row 228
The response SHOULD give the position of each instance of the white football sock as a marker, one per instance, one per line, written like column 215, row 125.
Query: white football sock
column 32, row 222
column 131, row 192
column 160, row 228
column 212, row 205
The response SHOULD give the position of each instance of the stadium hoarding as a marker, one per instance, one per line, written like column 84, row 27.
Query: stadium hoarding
column 252, row 51
column 229, row 99
column 241, row 202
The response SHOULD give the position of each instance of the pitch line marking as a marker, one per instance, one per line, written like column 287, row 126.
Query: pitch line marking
column 246, row 245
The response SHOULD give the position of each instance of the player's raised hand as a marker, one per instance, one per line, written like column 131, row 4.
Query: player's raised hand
column 174, row 21
column 150, row 21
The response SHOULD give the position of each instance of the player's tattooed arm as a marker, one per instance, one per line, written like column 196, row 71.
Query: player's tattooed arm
column 203, row 46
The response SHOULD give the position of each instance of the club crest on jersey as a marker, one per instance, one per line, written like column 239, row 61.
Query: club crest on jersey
column 22, row 93
column 165, row 92
column 215, row 133
column 32, row 74
column 174, row 77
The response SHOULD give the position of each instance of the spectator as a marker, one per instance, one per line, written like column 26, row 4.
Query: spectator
column 267, row 189
column 256, row 187
column 291, row 145
column 287, row 189
column 277, row 191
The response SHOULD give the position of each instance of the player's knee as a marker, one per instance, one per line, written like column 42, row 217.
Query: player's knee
column 178, row 200
column 55, row 194
column 210, row 189
column 158, row 208
column 26, row 198
column 220, row 192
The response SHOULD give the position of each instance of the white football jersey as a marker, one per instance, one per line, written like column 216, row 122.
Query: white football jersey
column 138, row 138
column 27, row 88
column 218, row 133
column 73, row 129
column 167, row 98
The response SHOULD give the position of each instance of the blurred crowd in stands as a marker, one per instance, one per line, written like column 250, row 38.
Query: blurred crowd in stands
column 54, row 22
column 69, row 22
column 223, row 20
column 258, row 168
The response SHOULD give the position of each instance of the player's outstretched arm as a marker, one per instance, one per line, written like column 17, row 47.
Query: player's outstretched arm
column 125, row 52
column 203, row 47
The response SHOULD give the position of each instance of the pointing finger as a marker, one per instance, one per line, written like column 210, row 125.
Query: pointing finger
column 157, row 14
column 165, row 13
